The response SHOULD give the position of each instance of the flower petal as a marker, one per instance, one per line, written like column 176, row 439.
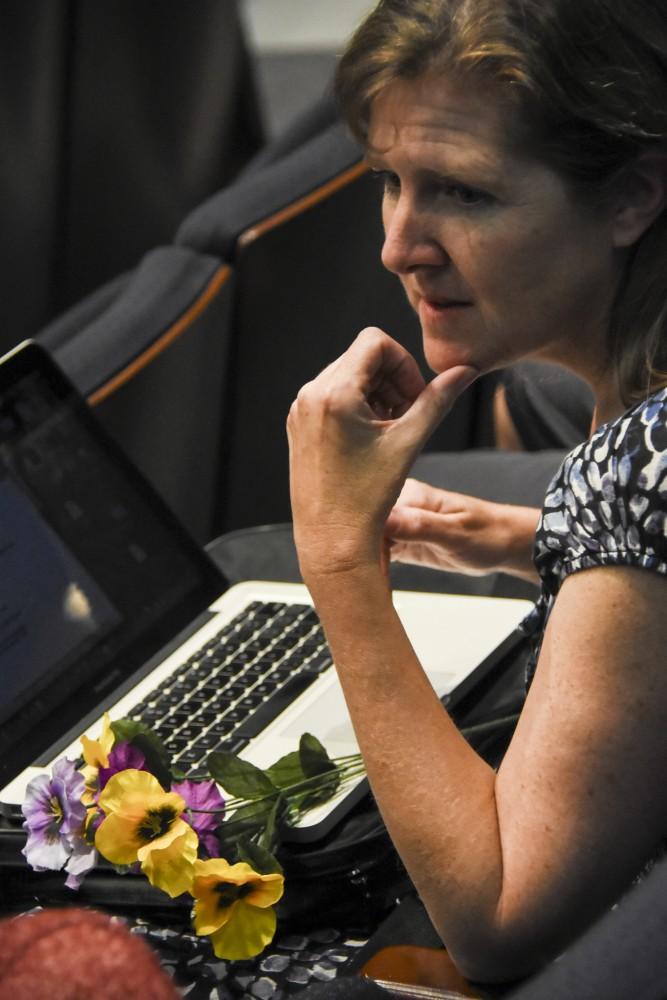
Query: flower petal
column 266, row 890
column 68, row 785
column 209, row 842
column 201, row 795
column 82, row 859
column 116, row 839
column 208, row 915
column 168, row 862
column 96, row 752
column 246, row 933
column 237, row 874
column 123, row 757
column 46, row 853
column 37, row 807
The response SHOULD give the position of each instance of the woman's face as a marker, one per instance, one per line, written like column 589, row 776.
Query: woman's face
column 494, row 255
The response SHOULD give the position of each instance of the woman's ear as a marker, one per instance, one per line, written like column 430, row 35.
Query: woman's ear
column 641, row 196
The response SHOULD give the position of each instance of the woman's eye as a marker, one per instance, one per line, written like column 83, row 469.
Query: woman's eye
column 466, row 196
column 389, row 181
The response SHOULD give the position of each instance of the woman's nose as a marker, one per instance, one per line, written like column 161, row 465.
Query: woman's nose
column 409, row 241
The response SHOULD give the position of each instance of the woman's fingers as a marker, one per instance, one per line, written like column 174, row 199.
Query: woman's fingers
column 436, row 399
column 414, row 523
column 415, row 493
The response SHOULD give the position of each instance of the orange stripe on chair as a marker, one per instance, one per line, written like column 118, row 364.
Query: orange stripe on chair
column 303, row 204
column 220, row 278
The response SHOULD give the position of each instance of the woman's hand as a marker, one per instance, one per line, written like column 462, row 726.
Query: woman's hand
column 354, row 432
column 462, row 534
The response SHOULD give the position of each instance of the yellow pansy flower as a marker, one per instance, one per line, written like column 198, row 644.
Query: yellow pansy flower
column 96, row 752
column 143, row 823
column 233, row 905
column 95, row 755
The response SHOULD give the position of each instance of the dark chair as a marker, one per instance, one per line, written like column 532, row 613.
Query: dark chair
column 303, row 233
column 149, row 351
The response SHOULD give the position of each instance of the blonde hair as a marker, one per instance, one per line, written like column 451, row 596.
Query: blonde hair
column 589, row 80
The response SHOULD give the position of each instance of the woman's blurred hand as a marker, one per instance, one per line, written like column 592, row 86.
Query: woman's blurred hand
column 354, row 432
column 462, row 534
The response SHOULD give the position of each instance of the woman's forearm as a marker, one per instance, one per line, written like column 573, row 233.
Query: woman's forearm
column 520, row 524
column 418, row 765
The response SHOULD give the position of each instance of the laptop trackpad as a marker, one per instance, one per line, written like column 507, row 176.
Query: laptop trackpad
column 327, row 717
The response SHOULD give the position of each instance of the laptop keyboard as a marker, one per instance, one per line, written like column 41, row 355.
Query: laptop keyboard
column 237, row 683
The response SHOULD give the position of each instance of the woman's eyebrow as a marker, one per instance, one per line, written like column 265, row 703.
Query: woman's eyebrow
column 374, row 161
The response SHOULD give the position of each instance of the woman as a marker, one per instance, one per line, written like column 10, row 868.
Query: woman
column 522, row 148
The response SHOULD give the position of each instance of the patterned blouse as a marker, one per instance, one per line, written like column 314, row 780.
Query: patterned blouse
column 606, row 506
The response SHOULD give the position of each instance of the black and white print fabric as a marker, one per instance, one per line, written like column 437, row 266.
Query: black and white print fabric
column 606, row 505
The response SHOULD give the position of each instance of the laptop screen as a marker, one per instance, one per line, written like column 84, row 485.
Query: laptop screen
column 96, row 575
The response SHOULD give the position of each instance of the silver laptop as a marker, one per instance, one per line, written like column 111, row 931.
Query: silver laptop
column 106, row 604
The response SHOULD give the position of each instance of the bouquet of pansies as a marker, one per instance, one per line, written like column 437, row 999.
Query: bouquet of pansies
column 122, row 800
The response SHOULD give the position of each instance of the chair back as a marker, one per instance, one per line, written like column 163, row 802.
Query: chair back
column 149, row 351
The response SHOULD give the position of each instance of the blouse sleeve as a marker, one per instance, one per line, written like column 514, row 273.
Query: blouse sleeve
column 608, row 503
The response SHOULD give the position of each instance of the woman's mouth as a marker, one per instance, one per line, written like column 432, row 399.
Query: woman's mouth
column 440, row 307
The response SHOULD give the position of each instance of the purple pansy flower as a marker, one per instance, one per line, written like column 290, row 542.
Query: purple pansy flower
column 203, row 795
column 54, row 818
column 123, row 756
column 81, row 860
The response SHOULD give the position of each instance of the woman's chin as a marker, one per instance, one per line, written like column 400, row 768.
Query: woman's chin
column 441, row 357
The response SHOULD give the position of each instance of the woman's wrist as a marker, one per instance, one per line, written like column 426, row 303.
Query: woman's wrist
column 333, row 555
column 519, row 525
column 362, row 589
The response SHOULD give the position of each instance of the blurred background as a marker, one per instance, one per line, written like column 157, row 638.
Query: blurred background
column 295, row 43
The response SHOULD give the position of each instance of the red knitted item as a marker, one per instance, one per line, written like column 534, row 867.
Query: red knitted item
column 72, row 954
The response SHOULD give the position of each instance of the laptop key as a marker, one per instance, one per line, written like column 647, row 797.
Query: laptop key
column 234, row 744
column 250, row 701
column 197, row 697
column 234, row 715
column 189, row 757
column 180, row 716
column 190, row 732
column 315, row 667
column 270, row 656
column 175, row 744
column 222, row 728
column 266, row 687
column 207, row 741
column 256, row 670
column 230, row 692
column 271, row 709
column 151, row 715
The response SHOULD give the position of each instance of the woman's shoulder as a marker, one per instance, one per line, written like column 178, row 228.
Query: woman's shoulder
column 608, row 502
column 622, row 458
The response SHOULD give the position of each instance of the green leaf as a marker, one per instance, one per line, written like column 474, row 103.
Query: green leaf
column 314, row 758
column 268, row 838
column 242, row 824
column 259, row 859
column 239, row 777
column 316, row 762
column 286, row 771
column 150, row 745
